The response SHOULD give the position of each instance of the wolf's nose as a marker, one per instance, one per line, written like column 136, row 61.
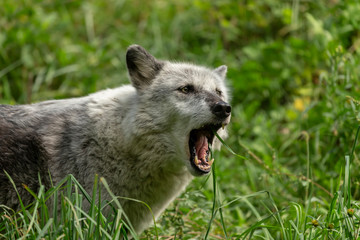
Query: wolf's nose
column 221, row 109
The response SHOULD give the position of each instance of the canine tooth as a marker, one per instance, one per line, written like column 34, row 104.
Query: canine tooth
column 196, row 161
column 206, row 167
column 211, row 162
column 223, row 126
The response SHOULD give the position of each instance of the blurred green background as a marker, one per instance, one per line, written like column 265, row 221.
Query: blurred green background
column 293, row 73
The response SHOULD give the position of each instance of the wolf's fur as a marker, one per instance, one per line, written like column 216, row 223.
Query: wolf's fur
column 136, row 137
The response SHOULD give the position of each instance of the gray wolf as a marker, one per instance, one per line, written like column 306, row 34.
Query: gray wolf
column 147, row 139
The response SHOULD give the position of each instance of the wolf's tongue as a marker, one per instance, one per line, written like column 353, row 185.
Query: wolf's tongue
column 201, row 146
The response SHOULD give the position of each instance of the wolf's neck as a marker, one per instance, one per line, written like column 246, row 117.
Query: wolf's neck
column 138, row 158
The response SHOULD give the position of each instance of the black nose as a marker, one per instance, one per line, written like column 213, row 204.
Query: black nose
column 221, row 109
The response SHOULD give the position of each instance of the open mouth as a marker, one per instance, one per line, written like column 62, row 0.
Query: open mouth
column 200, row 142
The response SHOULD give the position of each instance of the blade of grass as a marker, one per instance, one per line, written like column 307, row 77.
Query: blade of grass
column 116, row 231
column 216, row 201
column 256, row 213
column 213, row 212
column 45, row 229
column 76, row 218
column 227, row 147
column 354, row 144
column 35, row 210
column 97, row 233
column 92, row 206
column 347, row 189
column 255, row 226
column 94, row 222
column 114, row 199
column 17, row 193
column 277, row 216
column 223, row 222
column 9, row 68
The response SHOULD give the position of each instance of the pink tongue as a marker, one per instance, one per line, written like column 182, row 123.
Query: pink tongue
column 201, row 146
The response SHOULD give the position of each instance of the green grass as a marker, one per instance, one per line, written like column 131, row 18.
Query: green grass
column 66, row 217
column 293, row 71
column 69, row 220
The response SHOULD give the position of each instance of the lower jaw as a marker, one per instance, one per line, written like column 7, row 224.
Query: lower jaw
column 198, row 172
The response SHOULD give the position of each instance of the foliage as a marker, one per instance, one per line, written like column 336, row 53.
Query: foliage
column 293, row 71
column 66, row 217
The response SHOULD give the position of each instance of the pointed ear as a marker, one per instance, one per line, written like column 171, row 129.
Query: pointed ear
column 142, row 66
column 221, row 71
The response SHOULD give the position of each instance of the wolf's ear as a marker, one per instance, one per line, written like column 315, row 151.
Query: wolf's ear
column 221, row 71
column 142, row 66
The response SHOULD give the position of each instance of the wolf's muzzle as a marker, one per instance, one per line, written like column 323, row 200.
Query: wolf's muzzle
column 221, row 109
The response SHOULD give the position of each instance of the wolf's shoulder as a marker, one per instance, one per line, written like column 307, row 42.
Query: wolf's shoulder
column 123, row 93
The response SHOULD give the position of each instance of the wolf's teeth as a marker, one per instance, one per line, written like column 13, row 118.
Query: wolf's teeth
column 207, row 167
column 211, row 162
column 196, row 160
column 223, row 126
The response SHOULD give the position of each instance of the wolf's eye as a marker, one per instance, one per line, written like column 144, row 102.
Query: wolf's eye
column 218, row 92
column 186, row 89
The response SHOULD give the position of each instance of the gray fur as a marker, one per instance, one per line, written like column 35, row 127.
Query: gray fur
column 136, row 137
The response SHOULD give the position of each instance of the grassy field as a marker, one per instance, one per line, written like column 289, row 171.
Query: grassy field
column 290, row 168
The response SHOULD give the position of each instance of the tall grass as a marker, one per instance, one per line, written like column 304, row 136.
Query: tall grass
column 70, row 220
column 67, row 218
column 341, row 220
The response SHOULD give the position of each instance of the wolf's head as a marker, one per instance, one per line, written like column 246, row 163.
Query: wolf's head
column 183, row 104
